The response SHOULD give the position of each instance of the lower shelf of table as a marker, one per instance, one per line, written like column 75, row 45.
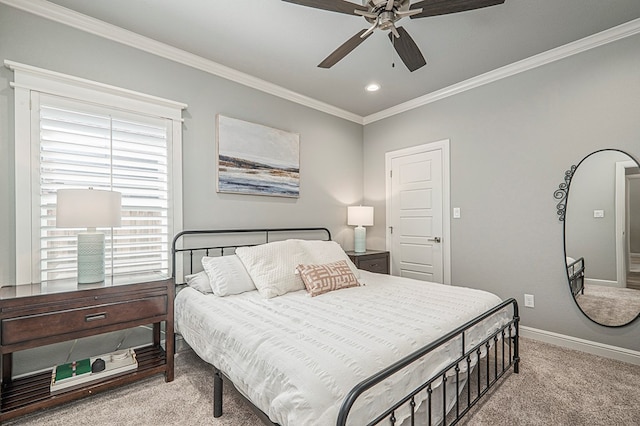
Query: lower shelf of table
column 31, row 393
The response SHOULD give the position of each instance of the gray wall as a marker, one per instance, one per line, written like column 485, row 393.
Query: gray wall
column 593, row 187
column 511, row 142
column 330, row 147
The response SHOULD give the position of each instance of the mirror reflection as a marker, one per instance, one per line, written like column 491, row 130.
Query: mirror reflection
column 602, row 236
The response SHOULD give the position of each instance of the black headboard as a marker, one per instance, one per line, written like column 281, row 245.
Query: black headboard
column 208, row 242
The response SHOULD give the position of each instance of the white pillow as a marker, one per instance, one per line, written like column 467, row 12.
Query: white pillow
column 227, row 275
column 272, row 266
column 199, row 281
column 323, row 252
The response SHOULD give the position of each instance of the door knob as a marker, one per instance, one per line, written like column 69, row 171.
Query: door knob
column 436, row 239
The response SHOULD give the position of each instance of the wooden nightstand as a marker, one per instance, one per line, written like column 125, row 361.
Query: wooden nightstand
column 371, row 260
column 41, row 314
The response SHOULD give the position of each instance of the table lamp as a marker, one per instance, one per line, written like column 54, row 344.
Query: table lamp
column 360, row 216
column 91, row 209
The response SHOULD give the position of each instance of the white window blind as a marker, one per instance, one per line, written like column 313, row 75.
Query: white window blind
column 82, row 145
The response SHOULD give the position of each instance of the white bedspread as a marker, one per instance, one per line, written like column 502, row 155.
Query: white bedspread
column 296, row 357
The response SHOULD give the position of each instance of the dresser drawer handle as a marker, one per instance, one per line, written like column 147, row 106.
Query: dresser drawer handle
column 95, row 317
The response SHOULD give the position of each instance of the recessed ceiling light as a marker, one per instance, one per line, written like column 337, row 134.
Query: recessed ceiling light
column 373, row 87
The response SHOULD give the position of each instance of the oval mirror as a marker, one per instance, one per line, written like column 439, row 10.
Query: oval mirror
column 600, row 207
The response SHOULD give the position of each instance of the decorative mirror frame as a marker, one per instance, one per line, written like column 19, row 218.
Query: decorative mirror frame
column 562, row 195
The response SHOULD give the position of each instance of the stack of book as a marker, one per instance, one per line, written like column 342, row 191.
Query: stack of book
column 78, row 373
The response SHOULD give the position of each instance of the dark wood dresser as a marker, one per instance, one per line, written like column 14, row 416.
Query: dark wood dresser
column 35, row 315
column 371, row 260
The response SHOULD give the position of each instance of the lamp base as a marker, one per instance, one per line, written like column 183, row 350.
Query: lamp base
column 360, row 239
column 90, row 257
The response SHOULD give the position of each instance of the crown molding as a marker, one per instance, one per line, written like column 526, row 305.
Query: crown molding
column 31, row 78
column 608, row 36
column 94, row 26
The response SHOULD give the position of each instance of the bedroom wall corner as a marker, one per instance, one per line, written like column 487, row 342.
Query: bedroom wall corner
column 511, row 142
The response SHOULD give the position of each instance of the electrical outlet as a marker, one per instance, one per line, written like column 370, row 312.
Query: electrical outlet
column 528, row 300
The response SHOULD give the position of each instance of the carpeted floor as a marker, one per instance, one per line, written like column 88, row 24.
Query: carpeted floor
column 555, row 386
column 610, row 305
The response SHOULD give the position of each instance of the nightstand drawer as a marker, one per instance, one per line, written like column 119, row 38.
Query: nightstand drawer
column 30, row 327
column 374, row 264
column 372, row 261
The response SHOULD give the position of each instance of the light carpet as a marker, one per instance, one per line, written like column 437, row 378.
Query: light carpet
column 556, row 386
column 609, row 305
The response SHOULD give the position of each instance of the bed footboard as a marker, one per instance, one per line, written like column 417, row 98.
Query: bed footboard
column 575, row 271
column 497, row 361
column 508, row 335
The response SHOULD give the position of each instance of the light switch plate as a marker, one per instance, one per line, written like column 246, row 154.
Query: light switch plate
column 456, row 212
column 529, row 300
column 598, row 213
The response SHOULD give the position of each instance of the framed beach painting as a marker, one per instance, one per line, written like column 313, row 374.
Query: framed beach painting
column 257, row 160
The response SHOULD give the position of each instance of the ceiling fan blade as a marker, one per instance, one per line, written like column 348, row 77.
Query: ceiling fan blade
column 344, row 50
column 443, row 7
column 407, row 50
column 340, row 6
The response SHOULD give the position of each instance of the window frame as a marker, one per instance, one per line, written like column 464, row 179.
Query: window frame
column 28, row 83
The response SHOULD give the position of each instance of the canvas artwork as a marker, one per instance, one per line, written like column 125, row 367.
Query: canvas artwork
column 258, row 160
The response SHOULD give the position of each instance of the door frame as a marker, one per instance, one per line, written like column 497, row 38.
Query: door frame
column 443, row 146
column 621, row 221
column 628, row 235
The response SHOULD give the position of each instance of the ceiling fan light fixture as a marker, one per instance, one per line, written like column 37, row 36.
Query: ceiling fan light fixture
column 373, row 87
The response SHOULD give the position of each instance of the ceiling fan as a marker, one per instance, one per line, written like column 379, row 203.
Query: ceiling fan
column 383, row 14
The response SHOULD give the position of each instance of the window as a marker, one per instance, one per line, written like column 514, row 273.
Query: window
column 104, row 138
column 84, row 146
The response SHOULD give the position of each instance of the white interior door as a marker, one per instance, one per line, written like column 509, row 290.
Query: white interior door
column 416, row 228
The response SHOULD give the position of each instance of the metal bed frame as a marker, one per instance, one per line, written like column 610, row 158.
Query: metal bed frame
column 501, row 351
column 575, row 272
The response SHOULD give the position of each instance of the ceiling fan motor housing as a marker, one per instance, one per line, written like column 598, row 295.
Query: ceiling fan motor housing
column 386, row 20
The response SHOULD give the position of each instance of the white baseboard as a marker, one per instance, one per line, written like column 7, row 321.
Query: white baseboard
column 604, row 283
column 595, row 348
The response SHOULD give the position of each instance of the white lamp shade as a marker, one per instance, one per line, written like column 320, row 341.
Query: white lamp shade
column 88, row 208
column 360, row 215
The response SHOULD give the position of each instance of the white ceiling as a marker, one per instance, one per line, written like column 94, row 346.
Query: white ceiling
column 282, row 43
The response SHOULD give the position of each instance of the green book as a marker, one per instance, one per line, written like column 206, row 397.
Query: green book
column 74, row 368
